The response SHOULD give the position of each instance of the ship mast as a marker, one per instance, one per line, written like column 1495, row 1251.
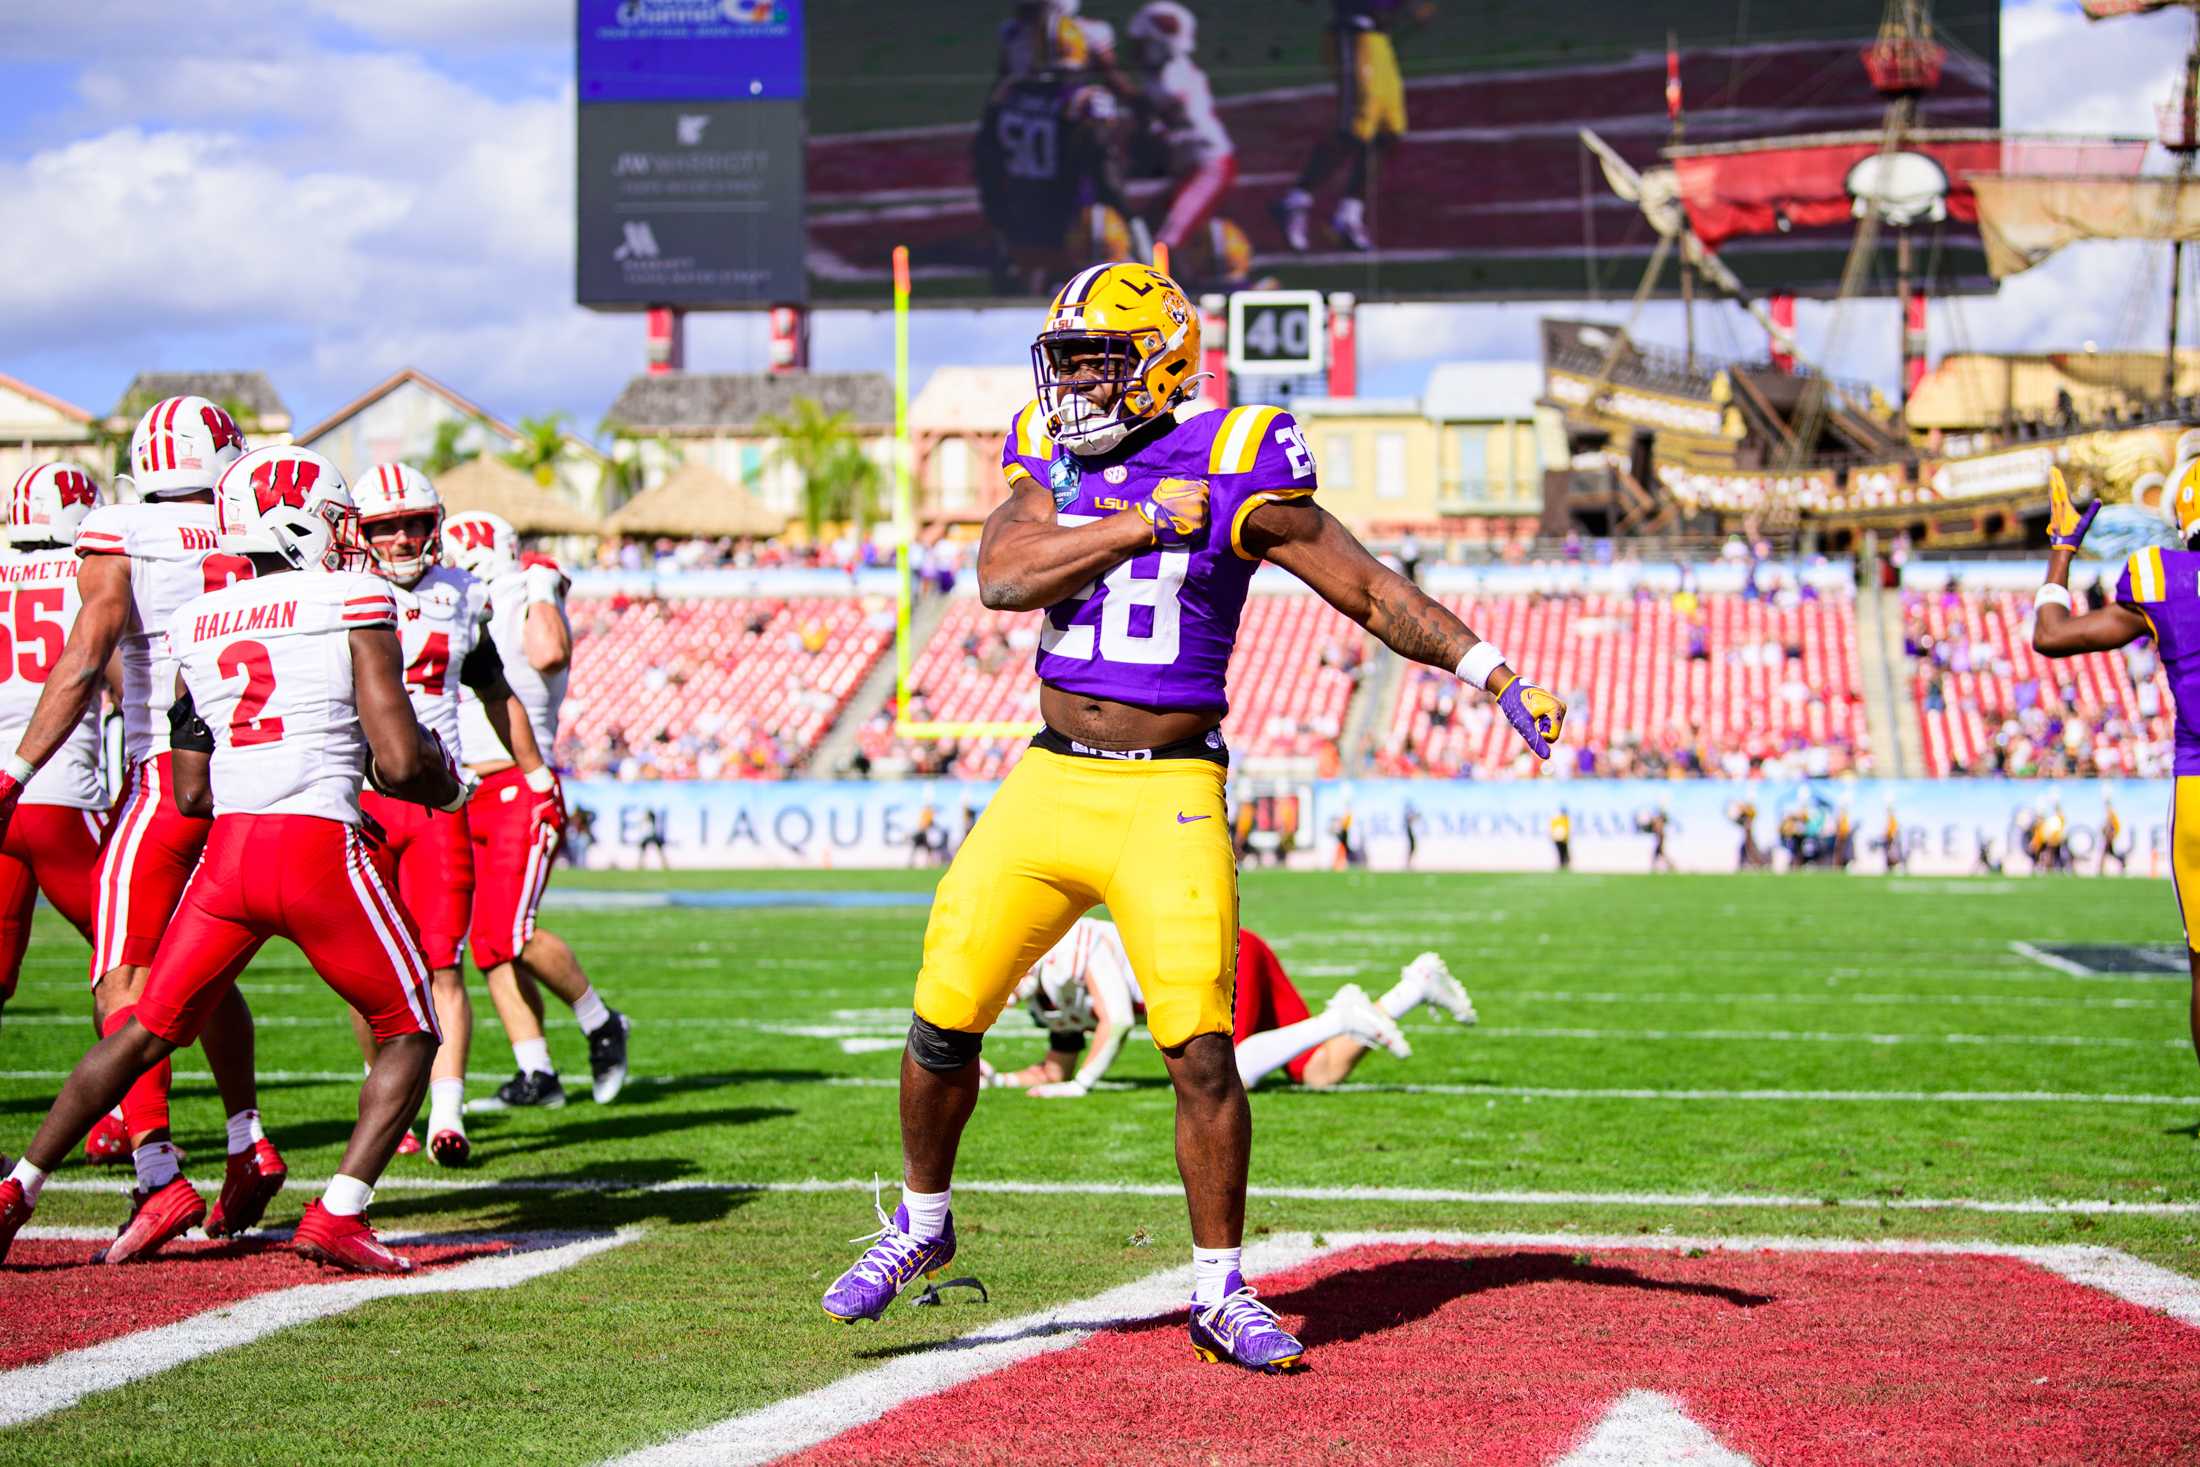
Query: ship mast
column 1904, row 63
column 2179, row 131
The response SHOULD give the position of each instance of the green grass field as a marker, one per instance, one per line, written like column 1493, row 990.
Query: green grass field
column 1888, row 991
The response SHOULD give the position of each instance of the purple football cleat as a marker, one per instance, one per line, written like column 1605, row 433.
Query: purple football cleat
column 892, row 1262
column 1244, row 1331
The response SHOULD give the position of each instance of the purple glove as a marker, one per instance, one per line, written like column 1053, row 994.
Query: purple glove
column 1534, row 714
column 2066, row 524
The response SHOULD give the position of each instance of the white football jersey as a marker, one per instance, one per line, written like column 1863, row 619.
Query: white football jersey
column 174, row 557
column 542, row 696
column 440, row 619
column 268, row 663
column 38, row 606
column 1194, row 131
column 1090, row 957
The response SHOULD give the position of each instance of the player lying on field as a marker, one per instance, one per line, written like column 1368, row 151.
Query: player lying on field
column 1085, row 995
column 1135, row 518
column 290, row 690
column 2157, row 595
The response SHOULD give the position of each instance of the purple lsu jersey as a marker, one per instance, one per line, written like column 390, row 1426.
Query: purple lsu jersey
column 1157, row 630
column 2165, row 587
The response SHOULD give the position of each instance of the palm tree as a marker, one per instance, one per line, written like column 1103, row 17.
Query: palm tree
column 445, row 454
column 541, row 448
column 625, row 470
column 839, row 480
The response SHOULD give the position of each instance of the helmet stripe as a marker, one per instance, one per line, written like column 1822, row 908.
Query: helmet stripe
column 168, row 427
column 1081, row 284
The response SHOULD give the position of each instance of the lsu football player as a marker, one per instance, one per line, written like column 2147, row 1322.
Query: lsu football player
column 1135, row 519
column 1085, row 994
column 2157, row 595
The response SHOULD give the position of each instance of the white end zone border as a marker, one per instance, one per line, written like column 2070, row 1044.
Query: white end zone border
column 804, row 1421
column 32, row 1391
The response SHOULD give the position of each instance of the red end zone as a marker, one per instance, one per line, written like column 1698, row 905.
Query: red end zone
column 1502, row 1354
column 57, row 1302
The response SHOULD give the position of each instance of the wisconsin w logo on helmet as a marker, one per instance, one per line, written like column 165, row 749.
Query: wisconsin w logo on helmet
column 285, row 481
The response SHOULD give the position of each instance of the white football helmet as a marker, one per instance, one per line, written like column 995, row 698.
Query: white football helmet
column 289, row 501
column 183, row 445
column 48, row 503
column 1164, row 30
column 481, row 544
column 400, row 491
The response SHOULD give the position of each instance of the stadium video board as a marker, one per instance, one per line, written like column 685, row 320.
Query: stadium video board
column 1008, row 143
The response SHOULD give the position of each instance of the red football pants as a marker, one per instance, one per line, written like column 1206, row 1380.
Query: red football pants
column 304, row 878
column 49, row 848
column 427, row 856
column 150, row 853
column 511, row 866
column 1266, row 998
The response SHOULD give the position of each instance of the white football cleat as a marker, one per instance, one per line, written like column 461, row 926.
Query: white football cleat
column 1365, row 1021
column 1439, row 987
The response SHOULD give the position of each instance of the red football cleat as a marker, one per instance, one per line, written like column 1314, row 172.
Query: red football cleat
column 344, row 1242
column 450, row 1148
column 109, row 1141
column 254, row 1178
column 155, row 1218
column 408, row 1144
column 14, row 1212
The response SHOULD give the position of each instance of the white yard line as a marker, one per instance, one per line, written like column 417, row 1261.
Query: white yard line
column 1650, row 1429
column 804, row 1421
column 32, row 1391
column 1465, row 1196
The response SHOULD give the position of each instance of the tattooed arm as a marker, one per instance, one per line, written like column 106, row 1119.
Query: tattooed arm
column 1308, row 541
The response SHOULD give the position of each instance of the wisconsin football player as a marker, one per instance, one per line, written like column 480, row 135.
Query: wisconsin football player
column 1085, row 994
column 2157, row 595
column 139, row 563
column 1135, row 518
column 288, row 692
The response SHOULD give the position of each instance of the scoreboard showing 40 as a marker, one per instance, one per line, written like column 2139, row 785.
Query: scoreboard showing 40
column 1279, row 333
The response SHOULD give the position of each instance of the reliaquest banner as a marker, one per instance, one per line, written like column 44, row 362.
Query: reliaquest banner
column 1939, row 827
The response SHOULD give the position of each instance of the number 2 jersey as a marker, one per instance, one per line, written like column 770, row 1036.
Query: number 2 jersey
column 542, row 695
column 169, row 546
column 268, row 665
column 1158, row 629
column 38, row 606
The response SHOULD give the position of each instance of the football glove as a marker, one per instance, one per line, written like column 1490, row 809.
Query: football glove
column 1534, row 714
column 2066, row 524
column 1176, row 510
column 546, row 817
column 11, row 791
column 1060, row 1090
column 545, row 582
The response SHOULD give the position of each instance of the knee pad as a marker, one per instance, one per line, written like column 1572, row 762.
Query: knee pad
column 941, row 1050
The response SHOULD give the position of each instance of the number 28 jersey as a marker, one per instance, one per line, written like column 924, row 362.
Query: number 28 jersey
column 268, row 664
column 172, row 551
column 440, row 619
column 38, row 606
column 1158, row 629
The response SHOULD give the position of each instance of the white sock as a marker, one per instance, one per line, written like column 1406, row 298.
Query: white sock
column 927, row 1213
column 1270, row 1050
column 346, row 1196
column 156, row 1164
column 244, row 1129
column 1211, row 1270
column 446, row 1105
column 533, row 1056
column 1404, row 997
column 1298, row 198
column 32, row 1178
column 590, row 1011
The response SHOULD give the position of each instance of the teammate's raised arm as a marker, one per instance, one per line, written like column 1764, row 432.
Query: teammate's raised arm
column 547, row 638
column 1313, row 545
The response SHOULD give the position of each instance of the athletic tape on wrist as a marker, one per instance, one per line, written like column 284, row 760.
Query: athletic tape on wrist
column 1481, row 660
column 2051, row 595
column 541, row 779
column 18, row 768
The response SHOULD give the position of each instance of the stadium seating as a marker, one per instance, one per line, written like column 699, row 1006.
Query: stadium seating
column 1624, row 666
column 1986, row 675
column 693, row 684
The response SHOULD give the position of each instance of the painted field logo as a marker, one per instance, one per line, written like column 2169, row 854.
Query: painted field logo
column 1562, row 1350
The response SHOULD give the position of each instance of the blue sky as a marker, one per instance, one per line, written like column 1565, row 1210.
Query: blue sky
column 332, row 189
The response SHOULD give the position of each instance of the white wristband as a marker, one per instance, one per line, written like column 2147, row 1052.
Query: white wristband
column 2051, row 595
column 18, row 768
column 541, row 778
column 1481, row 660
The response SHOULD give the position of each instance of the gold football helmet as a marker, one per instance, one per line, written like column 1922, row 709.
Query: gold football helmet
column 1120, row 348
